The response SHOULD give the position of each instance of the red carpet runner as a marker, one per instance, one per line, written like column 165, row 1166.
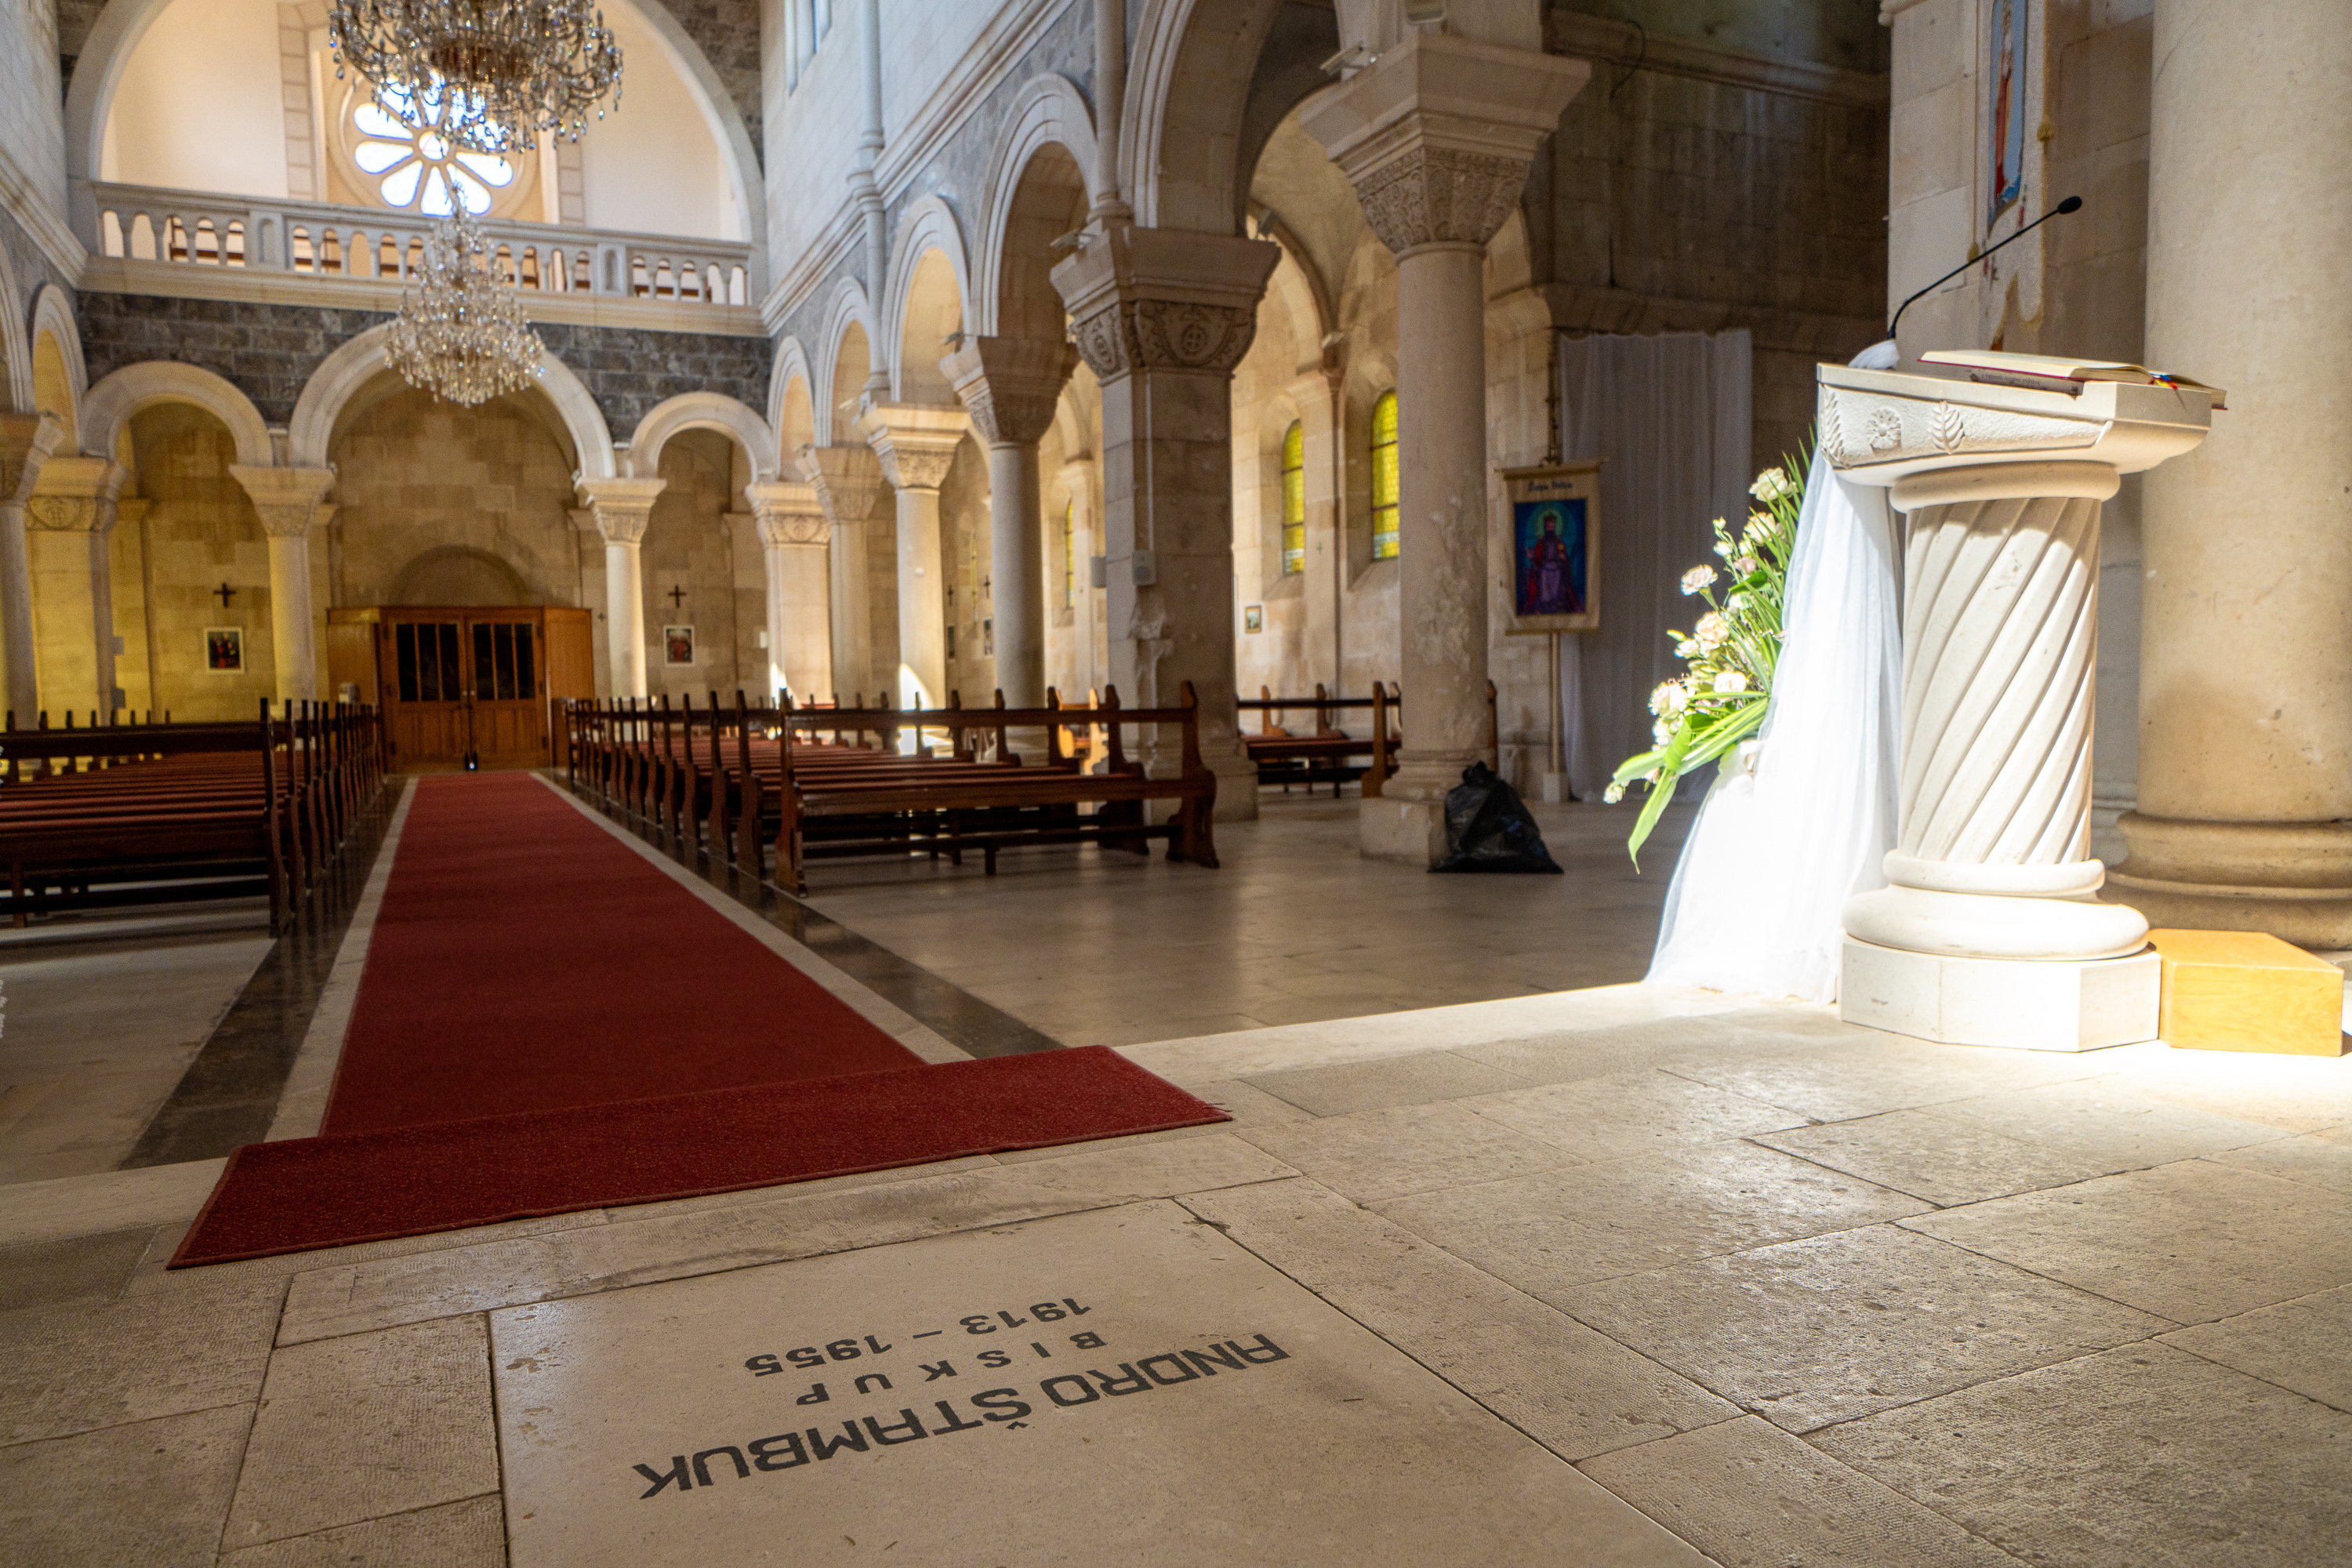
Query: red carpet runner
column 547, row 1023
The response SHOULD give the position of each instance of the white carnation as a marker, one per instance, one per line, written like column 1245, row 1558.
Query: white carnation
column 1696, row 578
column 1613, row 793
column 1770, row 485
column 1730, row 680
column 1711, row 631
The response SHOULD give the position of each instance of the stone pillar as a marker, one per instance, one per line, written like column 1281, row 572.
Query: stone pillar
column 287, row 501
column 1437, row 136
column 1163, row 316
column 1077, row 478
column 1992, row 932
column 795, row 537
column 26, row 443
column 622, row 508
column 915, row 443
column 71, row 519
column 2244, row 810
column 1011, row 386
column 848, row 485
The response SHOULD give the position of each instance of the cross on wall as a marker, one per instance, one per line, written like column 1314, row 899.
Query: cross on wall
column 225, row 594
column 676, row 594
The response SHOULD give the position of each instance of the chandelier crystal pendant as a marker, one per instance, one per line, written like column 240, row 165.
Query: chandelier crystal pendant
column 499, row 72
column 460, row 333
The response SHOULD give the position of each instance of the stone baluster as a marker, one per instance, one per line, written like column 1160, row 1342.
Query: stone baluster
column 26, row 443
column 1009, row 386
column 1163, row 316
column 1992, row 932
column 915, row 443
column 287, row 503
column 1437, row 136
column 794, row 539
column 623, row 506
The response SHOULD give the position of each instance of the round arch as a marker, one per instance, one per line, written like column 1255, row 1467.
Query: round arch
column 702, row 411
column 342, row 373
column 1048, row 111
column 929, row 224
column 1180, row 132
column 106, row 412
column 98, row 74
column 850, row 308
column 792, row 364
column 53, row 321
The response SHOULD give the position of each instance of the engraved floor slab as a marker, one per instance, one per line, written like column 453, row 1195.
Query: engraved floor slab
column 1121, row 1386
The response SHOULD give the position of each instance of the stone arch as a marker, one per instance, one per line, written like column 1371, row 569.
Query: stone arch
column 459, row 574
column 341, row 376
column 106, row 412
column 60, row 382
column 1187, row 87
column 703, row 411
column 924, row 295
column 1049, row 120
column 792, row 406
column 849, row 339
column 98, row 73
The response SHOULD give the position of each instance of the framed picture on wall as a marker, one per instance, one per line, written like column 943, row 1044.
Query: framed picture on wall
column 1551, row 565
column 224, row 649
column 678, row 645
column 1252, row 617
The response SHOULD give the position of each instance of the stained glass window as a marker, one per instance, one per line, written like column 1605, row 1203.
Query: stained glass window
column 1384, row 478
column 1294, row 499
column 400, row 146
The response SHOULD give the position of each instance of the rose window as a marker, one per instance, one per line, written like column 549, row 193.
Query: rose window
column 401, row 147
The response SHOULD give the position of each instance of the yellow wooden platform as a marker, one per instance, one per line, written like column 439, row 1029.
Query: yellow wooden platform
column 2248, row 990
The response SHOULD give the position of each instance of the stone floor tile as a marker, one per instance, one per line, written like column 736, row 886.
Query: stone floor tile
column 1942, row 1159
column 1575, row 1390
column 113, row 1200
column 1549, row 1232
column 150, row 1493
column 156, row 1275
column 73, row 1268
column 1248, row 1107
column 1840, row 1080
column 1833, row 1326
column 470, row 1534
column 2321, row 1159
column 1348, row 1087
column 1412, row 1149
column 2300, row 1345
column 2108, row 1120
column 83, row 1365
column 2192, row 1241
column 369, row 1425
column 2143, row 1456
column 1627, row 1115
column 2299, row 1094
column 1565, row 1056
column 356, row 1299
column 1750, row 1495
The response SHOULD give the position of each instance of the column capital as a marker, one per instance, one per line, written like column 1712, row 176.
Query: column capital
column 1011, row 386
column 1165, row 299
column 76, row 495
column 28, row 441
column 1437, row 134
column 915, row 441
column 621, row 507
column 786, row 512
column 847, row 480
column 285, row 499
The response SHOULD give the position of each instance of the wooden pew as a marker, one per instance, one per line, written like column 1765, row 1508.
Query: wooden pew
column 128, row 814
column 1329, row 755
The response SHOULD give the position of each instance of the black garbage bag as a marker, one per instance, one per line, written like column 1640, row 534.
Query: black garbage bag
column 1488, row 828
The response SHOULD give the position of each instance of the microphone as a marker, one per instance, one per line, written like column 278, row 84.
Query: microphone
column 2071, row 205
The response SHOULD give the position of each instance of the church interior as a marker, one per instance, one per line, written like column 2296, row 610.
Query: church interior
column 698, row 690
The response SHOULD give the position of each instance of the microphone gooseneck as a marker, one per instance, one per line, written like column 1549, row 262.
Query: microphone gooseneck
column 2071, row 205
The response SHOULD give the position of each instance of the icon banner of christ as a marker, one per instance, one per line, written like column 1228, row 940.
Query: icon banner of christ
column 1551, row 557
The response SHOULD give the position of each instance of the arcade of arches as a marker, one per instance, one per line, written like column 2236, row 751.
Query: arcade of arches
column 902, row 352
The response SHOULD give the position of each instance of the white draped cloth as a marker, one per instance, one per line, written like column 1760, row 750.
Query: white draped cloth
column 1801, row 820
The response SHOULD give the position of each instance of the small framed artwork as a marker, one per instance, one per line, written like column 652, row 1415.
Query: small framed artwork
column 1252, row 617
column 678, row 645
column 1553, row 569
column 224, row 649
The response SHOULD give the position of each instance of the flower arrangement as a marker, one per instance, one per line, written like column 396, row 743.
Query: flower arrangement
column 1719, row 700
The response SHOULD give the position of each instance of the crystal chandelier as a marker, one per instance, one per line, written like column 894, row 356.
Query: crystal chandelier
column 504, row 70
column 460, row 333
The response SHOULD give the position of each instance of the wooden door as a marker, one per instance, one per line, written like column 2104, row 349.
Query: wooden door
column 568, row 642
column 464, row 687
